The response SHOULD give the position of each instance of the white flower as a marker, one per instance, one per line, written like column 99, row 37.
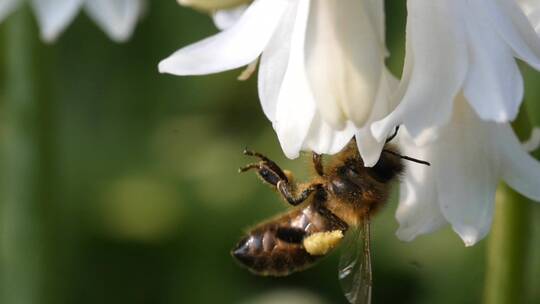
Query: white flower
column 116, row 17
column 468, row 160
column 463, row 47
column 226, row 18
column 322, row 78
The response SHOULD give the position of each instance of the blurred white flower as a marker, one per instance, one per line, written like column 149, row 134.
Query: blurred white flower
column 286, row 296
column 468, row 160
column 463, row 47
column 322, row 78
column 116, row 17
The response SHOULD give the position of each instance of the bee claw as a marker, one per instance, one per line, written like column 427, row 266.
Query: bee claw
column 248, row 152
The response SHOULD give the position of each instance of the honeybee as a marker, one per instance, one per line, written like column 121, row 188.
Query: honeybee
column 333, row 208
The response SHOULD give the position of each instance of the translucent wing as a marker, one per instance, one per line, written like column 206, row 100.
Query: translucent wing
column 355, row 264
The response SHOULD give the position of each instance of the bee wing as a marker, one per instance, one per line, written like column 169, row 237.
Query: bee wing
column 355, row 264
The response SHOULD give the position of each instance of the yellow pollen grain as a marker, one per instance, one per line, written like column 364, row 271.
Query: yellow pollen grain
column 321, row 242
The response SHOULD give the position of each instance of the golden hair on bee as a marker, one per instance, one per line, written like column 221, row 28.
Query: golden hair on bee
column 341, row 194
column 336, row 203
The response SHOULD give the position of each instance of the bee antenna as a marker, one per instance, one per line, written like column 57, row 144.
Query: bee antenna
column 414, row 160
column 389, row 139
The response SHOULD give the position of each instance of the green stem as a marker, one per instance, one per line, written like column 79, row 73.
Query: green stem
column 508, row 248
column 213, row 5
column 21, row 195
column 509, row 240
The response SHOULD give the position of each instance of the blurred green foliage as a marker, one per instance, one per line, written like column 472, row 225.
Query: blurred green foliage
column 143, row 202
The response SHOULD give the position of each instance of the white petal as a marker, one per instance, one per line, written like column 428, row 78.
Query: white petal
column 375, row 9
column 514, row 27
column 519, row 169
column 418, row 211
column 224, row 19
column 345, row 59
column 369, row 148
column 275, row 60
column 494, row 85
column 531, row 8
column 116, row 17
column 54, row 16
column 467, row 173
column 323, row 139
column 232, row 48
column 295, row 106
column 436, row 65
column 7, row 7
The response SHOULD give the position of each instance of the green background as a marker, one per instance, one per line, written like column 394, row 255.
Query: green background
column 138, row 196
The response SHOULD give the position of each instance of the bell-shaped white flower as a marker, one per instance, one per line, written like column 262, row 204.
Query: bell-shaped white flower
column 225, row 18
column 116, row 17
column 322, row 78
column 468, row 160
column 463, row 46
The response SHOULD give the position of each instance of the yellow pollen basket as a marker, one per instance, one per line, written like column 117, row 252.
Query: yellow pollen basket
column 322, row 242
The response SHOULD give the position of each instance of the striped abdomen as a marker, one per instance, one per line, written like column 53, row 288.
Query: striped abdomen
column 276, row 248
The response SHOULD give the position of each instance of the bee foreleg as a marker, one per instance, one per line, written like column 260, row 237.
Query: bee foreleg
column 266, row 162
column 294, row 199
column 265, row 173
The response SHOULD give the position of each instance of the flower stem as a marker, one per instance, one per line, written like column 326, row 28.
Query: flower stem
column 509, row 240
column 21, row 199
column 507, row 250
